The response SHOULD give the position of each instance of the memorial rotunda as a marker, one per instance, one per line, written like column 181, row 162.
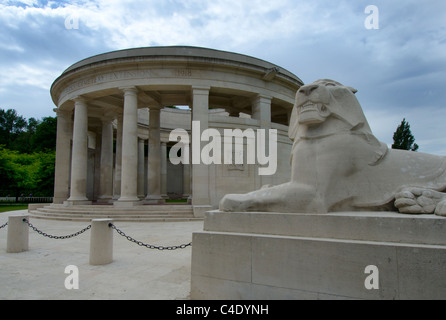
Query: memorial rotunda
column 115, row 112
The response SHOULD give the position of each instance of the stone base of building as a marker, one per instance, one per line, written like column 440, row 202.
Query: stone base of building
column 135, row 213
column 368, row 255
column 70, row 203
column 200, row 210
column 154, row 200
column 126, row 204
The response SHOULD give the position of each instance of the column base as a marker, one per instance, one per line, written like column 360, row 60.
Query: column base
column 105, row 200
column 154, row 199
column 70, row 203
column 59, row 200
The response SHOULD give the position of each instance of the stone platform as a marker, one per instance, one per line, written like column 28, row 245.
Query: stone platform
column 149, row 213
column 310, row 256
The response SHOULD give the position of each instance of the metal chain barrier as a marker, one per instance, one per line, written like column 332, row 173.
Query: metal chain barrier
column 149, row 246
column 56, row 237
column 1, row 227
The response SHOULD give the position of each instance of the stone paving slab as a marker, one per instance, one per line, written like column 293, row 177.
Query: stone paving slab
column 136, row 273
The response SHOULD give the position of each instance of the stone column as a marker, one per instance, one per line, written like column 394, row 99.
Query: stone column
column 80, row 154
column 106, row 167
column 118, row 159
column 164, row 171
column 154, row 159
column 63, row 156
column 261, row 111
column 141, row 176
column 129, row 171
column 200, row 172
column 186, row 181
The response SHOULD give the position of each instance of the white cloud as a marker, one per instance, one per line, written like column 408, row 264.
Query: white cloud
column 27, row 75
column 398, row 69
column 229, row 23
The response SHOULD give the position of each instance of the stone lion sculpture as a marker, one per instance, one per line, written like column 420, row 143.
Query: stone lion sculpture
column 337, row 164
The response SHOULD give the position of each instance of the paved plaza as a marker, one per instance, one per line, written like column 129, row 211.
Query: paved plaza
column 136, row 273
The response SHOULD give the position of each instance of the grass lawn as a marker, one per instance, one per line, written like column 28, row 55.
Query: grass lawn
column 176, row 201
column 13, row 208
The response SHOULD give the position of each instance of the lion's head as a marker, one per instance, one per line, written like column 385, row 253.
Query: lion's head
column 323, row 100
column 326, row 107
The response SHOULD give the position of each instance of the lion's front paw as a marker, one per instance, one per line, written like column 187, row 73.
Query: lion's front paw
column 233, row 202
column 418, row 200
column 440, row 210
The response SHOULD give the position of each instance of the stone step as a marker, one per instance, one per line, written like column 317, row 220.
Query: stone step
column 116, row 217
column 144, row 208
column 113, row 212
column 136, row 213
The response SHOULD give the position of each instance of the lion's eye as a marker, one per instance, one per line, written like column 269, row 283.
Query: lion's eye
column 329, row 84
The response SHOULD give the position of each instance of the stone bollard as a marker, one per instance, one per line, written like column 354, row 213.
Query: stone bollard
column 101, row 242
column 18, row 234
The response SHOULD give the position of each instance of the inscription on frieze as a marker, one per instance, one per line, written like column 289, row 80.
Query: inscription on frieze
column 182, row 73
column 119, row 75
column 127, row 75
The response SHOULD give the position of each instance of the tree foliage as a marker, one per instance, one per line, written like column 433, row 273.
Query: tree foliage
column 27, row 136
column 403, row 138
column 27, row 154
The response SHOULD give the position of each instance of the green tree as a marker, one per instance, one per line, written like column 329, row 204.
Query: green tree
column 19, row 172
column 11, row 126
column 22, row 142
column 45, row 173
column 22, row 173
column 403, row 138
column 27, row 154
column 44, row 137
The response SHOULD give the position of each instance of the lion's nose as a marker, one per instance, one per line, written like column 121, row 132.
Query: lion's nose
column 308, row 89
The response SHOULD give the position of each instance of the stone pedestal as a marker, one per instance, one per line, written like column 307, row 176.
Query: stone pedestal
column 101, row 242
column 18, row 234
column 310, row 256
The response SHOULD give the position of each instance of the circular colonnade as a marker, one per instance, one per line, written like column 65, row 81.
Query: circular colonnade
column 113, row 124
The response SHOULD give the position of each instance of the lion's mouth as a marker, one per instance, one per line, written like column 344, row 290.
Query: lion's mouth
column 310, row 106
column 312, row 112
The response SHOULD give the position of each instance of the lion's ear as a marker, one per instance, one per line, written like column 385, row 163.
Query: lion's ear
column 352, row 89
column 292, row 129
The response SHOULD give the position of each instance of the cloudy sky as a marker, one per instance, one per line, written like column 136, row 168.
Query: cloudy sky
column 395, row 54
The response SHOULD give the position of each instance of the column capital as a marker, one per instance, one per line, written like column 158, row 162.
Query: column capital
column 63, row 113
column 78, row 99
column 260, row 97
column 108, row 117
column 129, row 89
column 204, row 90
